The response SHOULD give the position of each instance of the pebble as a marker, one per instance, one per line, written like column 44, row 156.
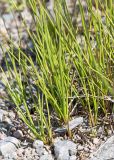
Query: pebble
column 95, row 140
column 80, row 148
column 38, row 144
column 18, row 134
column 61, row 130
column 13, row 129
column 109, row 132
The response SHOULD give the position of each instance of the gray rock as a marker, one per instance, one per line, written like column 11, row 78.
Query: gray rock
column 8, row 145
column 39, row 147
column 12, row 129
column 72, row 125
column 18, row 134
column 38, row 144
column 64, row 149
column 75, row 122
column 105, row 152
column 60, row 130
column 46, row 157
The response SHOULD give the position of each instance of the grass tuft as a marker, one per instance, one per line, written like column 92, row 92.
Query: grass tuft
column 63, row 69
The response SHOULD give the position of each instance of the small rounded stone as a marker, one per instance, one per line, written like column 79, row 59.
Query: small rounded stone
column 95, row 141
column 13, row 129
column 86, row 149
column 38, row 144
column 80, row 148
column 109, row 132
column 18, row 134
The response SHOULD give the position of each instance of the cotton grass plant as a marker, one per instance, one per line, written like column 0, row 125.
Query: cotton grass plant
column 63, row 70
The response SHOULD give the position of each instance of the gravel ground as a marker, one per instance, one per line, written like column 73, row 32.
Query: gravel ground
column 15, row 142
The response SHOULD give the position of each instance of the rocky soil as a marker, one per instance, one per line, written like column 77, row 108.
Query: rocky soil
column 16, row 144
column 87, row 143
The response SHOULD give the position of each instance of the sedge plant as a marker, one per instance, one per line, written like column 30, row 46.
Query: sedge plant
column 63, row 69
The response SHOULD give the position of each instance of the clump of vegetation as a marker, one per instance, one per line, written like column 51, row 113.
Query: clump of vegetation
column 63, row 70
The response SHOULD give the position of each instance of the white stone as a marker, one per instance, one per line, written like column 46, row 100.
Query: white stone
column 95, row 140
column 8, row 145
column 75, row 122
column 63, row 149
column 38, row 144
column 80, row 148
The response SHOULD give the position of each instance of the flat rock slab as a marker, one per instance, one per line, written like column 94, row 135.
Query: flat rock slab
column 8, row 145
column 106, row 151
column 72, row 125
column 75, row 122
